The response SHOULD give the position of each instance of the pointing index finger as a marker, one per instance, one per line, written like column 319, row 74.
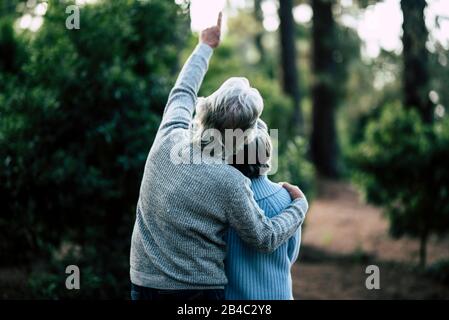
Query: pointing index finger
column 220, row 15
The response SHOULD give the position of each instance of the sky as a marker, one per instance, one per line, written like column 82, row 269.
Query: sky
column 379, row 26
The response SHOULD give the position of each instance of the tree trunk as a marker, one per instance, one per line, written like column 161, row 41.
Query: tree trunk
column 288, row 61
column 416, row 70
column 258, row 15
column 324, row 148
column 423, row 250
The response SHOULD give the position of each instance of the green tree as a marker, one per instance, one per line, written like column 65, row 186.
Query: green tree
column 78, row 116
column 324, row 147
column 416, row 77
column 258, row 38
column 289, row 68
column 402, row 166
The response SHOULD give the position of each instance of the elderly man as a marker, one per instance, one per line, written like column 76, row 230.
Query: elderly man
column 184, row 210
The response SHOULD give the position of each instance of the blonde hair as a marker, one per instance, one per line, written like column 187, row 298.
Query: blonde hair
column 255, row 158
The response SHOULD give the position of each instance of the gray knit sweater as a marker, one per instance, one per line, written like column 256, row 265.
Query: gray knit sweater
column 184, row 210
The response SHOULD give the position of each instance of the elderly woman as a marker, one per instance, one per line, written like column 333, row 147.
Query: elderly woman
column 183, row 212
column 255, row 275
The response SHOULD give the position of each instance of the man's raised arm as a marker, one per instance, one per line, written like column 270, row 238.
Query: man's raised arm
column 182, row 99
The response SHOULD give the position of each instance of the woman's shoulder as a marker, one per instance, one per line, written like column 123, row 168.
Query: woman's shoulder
column 282, row 198
column 266, row 190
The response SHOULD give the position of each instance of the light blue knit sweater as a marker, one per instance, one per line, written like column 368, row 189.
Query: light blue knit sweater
column 254, row 275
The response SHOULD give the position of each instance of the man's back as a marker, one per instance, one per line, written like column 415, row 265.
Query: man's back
column 178, row 236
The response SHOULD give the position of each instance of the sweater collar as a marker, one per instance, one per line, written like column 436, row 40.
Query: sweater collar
column 262, row 187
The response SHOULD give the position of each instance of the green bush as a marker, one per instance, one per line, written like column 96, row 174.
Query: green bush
column 439, row 271
column 102, row 275
column 294, row 167
column 402, row 166
column 78, row 112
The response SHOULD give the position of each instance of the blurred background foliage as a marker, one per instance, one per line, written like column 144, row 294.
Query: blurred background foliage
column 79, row 111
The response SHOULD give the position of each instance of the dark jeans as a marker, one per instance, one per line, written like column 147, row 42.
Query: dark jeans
column 144, row 293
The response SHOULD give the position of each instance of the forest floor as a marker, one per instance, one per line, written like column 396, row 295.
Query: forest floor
column 342, row 236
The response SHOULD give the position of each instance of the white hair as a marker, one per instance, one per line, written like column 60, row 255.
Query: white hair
column 235, row 105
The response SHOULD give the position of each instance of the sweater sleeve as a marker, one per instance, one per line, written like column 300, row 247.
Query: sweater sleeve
column 293, row 246
column 182, row 99
column 253, row 227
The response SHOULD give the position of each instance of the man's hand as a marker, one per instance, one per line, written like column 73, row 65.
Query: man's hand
column 295, row 192
column 211, row 36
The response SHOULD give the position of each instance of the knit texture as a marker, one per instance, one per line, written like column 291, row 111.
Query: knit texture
column 259, row 276
column 184, row 210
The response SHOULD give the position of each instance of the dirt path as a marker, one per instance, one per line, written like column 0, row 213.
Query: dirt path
column 342, row 236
